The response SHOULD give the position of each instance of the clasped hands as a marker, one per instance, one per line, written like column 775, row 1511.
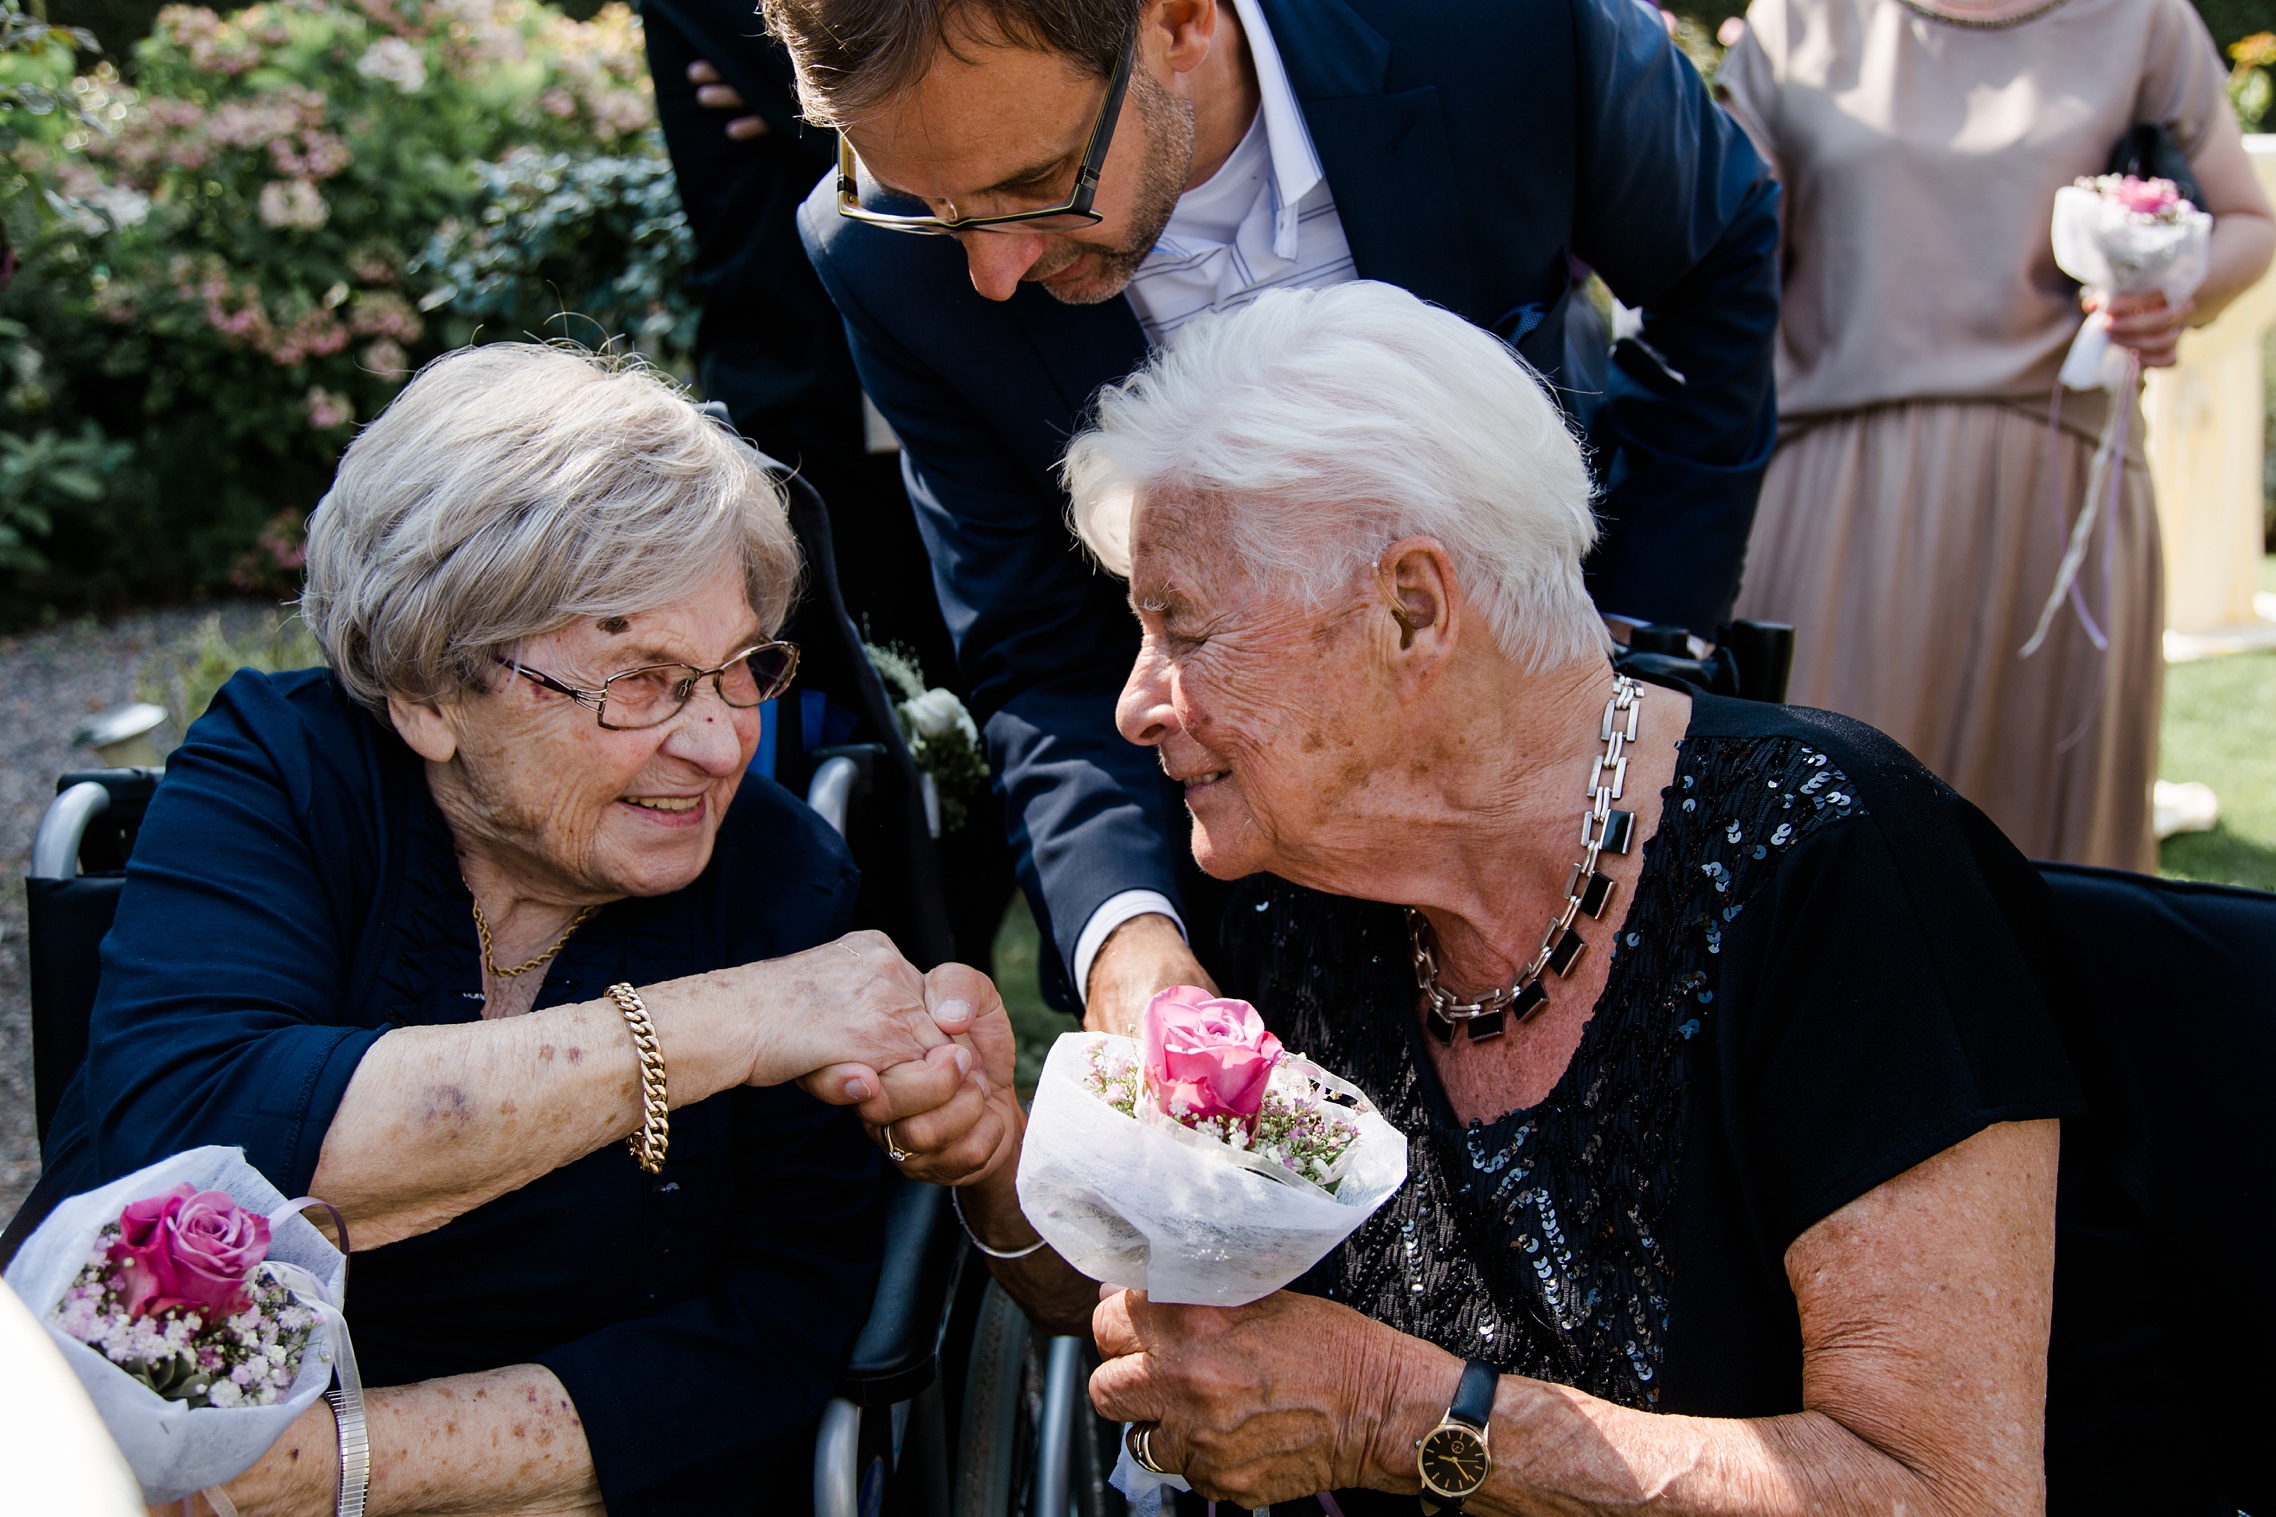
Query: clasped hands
column 930, row 1053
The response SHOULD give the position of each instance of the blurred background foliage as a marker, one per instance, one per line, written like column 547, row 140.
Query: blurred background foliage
column 233, row 239
column 231, row 234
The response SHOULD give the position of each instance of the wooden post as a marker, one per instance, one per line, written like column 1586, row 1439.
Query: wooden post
column 2204, row 444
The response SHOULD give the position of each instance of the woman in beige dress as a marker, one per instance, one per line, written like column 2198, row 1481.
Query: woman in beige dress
column 1925, row 481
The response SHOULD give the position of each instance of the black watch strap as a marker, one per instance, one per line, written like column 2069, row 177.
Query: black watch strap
column 1474, row 1395
column 1473, row 1404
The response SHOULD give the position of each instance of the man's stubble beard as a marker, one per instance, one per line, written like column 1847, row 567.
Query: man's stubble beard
column 1168, row 122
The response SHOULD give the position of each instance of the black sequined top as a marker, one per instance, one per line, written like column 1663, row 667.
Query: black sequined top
column 1813, row 990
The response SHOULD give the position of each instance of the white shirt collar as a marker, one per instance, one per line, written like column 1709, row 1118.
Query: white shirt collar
column 1295, row 164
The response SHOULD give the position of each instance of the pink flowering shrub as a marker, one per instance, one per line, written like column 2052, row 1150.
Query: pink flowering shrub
column 297, row 204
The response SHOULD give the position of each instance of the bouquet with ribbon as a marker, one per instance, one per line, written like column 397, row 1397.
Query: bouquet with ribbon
column 2116, row 235
column 199, row 1309
column 1201, row 1162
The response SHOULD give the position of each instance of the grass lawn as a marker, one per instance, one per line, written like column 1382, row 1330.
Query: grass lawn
column 1036, row 1023
column 2220, row 727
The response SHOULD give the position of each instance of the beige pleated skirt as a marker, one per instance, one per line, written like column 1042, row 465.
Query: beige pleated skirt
column 1912, row 547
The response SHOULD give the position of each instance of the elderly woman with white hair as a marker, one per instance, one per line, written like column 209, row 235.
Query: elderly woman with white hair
column 1729, row 1044
column 437, row 932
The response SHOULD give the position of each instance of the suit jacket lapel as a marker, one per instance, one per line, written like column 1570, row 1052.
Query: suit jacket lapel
column 1082, row 347
column 1387, row 155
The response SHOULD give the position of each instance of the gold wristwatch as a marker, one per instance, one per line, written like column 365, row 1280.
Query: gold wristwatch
column 1454, row 1457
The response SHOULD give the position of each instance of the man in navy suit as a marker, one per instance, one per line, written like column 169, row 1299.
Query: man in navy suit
column 1097, row 172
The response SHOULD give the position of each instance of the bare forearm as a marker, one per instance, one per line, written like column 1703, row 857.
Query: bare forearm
column 1051, row 1291
column 439, row 1120
column 1560, row 1451
column 2236, row 256
column 505, row 1442
column 1557, row 1450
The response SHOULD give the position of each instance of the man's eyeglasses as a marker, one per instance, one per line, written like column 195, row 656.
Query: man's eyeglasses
column 654, row 693
column 1071, row 215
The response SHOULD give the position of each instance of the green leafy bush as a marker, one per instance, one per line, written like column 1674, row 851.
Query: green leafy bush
column 295, row 205
column 589, row 248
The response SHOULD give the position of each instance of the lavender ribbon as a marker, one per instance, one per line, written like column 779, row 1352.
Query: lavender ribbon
column 314, row 1294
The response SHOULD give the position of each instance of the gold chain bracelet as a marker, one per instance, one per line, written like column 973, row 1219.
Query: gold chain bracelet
column 654, row 1138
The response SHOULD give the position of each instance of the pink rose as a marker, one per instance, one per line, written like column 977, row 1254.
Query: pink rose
column 1205, row 1057
column 188, row 1248
column 2147, row 197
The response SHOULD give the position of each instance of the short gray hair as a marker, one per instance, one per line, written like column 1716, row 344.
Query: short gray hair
column 1332, row 422
column 515, row 488
column 852, row 57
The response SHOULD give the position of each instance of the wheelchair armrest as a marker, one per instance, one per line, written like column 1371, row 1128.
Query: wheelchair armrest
column 842, row 775
column 897, row 1353
column 55, row 850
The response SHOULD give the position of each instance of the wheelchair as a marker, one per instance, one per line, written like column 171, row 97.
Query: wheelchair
column 949, row 1404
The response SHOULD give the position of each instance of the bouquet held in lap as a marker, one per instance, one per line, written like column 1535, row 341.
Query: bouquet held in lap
column 1201, row 1162
column 198, row 1309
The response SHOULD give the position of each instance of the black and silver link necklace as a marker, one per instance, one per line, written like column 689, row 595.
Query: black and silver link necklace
column 1587, row 891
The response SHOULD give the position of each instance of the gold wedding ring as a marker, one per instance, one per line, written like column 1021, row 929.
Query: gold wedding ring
column 893, row 1150
column 1141, row 1438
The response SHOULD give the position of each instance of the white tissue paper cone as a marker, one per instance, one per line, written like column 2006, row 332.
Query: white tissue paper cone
column 1132, row 1206
column 2107, row 249
column 177, row 1450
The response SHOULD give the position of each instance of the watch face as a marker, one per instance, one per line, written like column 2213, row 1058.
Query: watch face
column 1453, row 1460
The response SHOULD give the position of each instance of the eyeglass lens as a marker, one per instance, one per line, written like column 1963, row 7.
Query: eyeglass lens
column 644, row 697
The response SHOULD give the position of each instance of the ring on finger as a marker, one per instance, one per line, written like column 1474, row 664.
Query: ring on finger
column 893, row 1150
column 1141, row 1441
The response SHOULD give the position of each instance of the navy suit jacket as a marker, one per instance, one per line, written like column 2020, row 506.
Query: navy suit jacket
column 1474, row 148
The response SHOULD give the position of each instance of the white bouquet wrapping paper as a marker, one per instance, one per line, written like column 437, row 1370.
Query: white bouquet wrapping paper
column 177, row 1450
column 2105, row 243
column 1157, row 1207
column 2117, row 235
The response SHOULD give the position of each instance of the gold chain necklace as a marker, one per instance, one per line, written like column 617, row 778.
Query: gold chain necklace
column 490, row 952
column 1587, row 890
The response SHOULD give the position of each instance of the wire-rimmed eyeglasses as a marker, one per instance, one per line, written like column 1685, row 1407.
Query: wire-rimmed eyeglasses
column 653, row 694
column 1071, row 215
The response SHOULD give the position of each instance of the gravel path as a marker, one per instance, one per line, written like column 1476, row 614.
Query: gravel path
column 50, row 682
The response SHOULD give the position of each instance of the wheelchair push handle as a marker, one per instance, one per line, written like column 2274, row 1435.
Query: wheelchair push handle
column 1750, row 660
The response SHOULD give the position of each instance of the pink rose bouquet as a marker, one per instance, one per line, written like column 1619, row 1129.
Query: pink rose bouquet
column 172, row 1294
column 199, row 1310
column 2118, row 235
column 1201, row 1161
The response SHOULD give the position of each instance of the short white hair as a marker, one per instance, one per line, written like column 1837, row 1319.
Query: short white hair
column 515, row 488
column 1329, row 423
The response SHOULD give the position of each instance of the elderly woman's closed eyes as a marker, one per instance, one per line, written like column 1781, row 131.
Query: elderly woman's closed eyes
column 1729, row 1045
column 392, row 926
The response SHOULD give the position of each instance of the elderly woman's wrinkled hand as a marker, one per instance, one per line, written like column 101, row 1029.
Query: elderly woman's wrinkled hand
column 956, row 1128
column 836, row 1015
column 1261, row 1403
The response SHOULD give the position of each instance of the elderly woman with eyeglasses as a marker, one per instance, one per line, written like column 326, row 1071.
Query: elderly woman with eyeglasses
column 433, row 932
column 1731, row 1047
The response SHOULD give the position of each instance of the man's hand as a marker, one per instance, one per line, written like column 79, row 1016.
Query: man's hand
column 716, row 94
column 1143, row 955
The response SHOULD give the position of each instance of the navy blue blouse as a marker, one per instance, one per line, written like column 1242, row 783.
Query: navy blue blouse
column 294, row 895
